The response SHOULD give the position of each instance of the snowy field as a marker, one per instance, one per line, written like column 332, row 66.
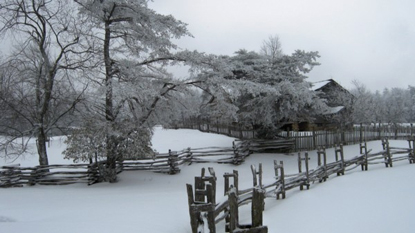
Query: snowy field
column 378, row 200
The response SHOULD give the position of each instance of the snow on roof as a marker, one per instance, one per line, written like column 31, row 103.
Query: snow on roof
column 333, row 110
column 317, row 85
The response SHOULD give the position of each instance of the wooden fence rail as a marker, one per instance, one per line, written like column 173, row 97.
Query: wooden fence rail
column 16, row 176
column 225, row 210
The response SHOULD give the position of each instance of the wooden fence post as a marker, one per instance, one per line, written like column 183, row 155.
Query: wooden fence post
column 257, row 175
column 201, row 184
column 239, row 156
column 33, row 176
column 387, row 155
column 363, row 149
column 93, row 175
column 411, row 150
column 339, row 153
column 306, row 159
column 232, row 221
column 322, row 153
column 280, row 176
column 172, row 161
column 228, row 187
column 195, row 219
column 203, row 201
column 257, row 208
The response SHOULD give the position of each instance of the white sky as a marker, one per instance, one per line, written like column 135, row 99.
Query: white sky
column 372, row 41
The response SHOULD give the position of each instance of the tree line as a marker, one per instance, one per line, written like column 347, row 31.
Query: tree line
column 392, row 105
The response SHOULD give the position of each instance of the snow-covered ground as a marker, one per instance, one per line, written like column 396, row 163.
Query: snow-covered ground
column 378, row 200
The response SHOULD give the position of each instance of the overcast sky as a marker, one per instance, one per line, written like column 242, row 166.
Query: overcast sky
column 372, row 41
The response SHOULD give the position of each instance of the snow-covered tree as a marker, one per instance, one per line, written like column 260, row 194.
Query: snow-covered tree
column 411, row 104
column 133, row 45
column 395, row 106
column 364, row 104
column 46, row 36
column 391, row 106
column 267, row 95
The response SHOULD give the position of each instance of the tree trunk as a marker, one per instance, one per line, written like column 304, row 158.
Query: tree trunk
column 41, row 147
column 111, row 164
column 111, row 150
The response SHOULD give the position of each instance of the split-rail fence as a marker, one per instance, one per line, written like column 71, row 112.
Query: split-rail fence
column 205, row 211
column 170, row 163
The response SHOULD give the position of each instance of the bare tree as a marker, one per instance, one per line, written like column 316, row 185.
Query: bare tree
column 272, row 48
column 48, row 37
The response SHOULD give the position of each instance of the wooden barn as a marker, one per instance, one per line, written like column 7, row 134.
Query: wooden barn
column 339, row 113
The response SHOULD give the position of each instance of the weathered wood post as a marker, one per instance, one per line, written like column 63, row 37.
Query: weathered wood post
column 35, row 175
column 172, row 161
column 321, row 154
column 231, row 212
column 235, row 184
column 238, row 157
column 340, row 157
column 307, row 180
column 257, row 175
column 257, row 208
column 200, row 185
column 232, row 221
column 411, row 150
column 387, row 155
column 280, row 176
column 363, row 149
column 195, row 218
column 384, row 141
column 93, row 176
column 202, row 203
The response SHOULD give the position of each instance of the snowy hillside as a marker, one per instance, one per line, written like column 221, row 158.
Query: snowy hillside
column 378, row 200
